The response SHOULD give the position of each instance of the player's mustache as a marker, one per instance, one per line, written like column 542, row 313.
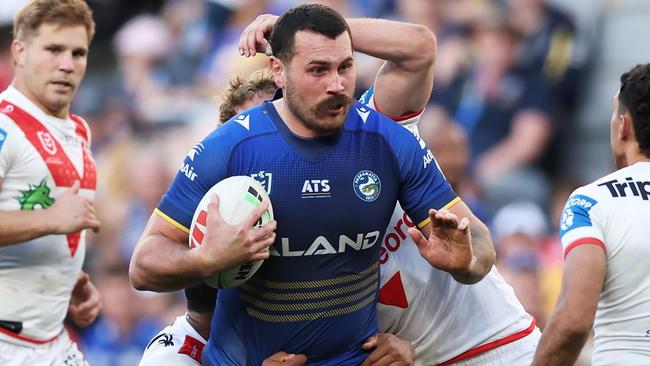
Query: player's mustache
column 333, row 102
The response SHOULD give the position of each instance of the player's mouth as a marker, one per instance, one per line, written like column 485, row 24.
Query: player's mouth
column 62, row 85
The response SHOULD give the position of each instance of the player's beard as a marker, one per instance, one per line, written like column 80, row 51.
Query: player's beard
column 318, row 119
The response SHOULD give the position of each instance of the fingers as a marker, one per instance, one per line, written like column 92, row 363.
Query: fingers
column 464, row 224
column 417, row 237
column 443, row 218
column 74, row 188
column 213, row 210
column 285, row 359
column 254, row 217
column 370, row 343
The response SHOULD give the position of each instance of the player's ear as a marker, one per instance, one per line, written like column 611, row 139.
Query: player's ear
column 625, row 128
column 278, row 71
column 18, row 52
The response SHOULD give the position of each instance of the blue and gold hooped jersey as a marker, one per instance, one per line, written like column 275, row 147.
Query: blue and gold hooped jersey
column 332, row 198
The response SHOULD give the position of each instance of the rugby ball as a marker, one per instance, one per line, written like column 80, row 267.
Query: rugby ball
column 238, row 196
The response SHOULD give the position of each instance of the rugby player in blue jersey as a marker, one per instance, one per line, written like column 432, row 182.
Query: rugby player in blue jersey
column 325, row 245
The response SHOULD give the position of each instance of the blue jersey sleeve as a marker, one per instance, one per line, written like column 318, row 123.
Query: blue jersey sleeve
column 204, row 166
column 423, row 185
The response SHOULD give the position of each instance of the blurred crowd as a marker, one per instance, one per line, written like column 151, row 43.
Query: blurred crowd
column 518, row 118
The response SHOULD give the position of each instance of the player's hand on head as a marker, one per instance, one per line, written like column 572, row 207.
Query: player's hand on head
column 449, row 246
column 254, row 38
column 388, row 350
column 71, row 212
column 226, row 246
column 285, row 359
column 85, row 302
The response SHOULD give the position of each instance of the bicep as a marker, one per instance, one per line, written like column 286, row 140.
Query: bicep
column 157, row 225
column 583, row 278
column 399, row 92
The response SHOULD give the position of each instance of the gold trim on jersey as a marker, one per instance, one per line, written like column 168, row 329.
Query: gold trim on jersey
column 311, row 316
column 171, row 221
column 424, row 222
column 276, row 301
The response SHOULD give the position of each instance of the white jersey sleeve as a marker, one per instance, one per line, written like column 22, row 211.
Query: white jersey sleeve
column 8, row 144
column 176, row 345
column 614, row 213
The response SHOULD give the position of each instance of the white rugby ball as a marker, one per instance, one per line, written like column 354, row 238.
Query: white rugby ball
column 238, row 196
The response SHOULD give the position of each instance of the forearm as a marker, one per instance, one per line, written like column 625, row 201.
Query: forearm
column 20, row 226
column 559, row 346
column 406, row 45
column 483, row 252
column 162, row 264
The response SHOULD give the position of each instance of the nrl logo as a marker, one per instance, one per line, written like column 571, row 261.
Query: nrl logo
column 47, row 142
column 265, row 180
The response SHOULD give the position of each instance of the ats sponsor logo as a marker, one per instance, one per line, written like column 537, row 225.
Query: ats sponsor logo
column 316, row 188
column 265, row 179
column 321, row 245
column 629, row 187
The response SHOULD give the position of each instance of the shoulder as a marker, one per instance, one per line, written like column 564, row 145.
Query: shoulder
column 248, row 124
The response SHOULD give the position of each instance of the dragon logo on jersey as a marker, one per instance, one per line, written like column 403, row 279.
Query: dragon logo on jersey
column 36, row 195
column 47, row 141
column 367, row 185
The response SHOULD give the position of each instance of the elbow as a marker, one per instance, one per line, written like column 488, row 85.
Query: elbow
column 423, row 50
column 136, row 276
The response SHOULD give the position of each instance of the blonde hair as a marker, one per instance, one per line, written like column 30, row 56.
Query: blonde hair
column 242, row 90
column 61, row 12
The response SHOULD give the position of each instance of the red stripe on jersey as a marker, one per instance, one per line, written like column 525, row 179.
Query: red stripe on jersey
column 492, row 345
column 61, row 168
column 397, row 118
column 192, row 347
column 27, row 339
column 584, row 241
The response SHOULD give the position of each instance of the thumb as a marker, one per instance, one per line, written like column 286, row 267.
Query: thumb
column 74, row 188
column 370, row 343
column 213, row 209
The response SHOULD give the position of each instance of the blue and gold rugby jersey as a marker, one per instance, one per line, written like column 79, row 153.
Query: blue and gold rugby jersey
column 332, row 198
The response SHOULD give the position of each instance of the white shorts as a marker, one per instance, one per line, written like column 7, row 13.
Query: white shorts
column 60, row 352
column 518, row 353
column 176, row 345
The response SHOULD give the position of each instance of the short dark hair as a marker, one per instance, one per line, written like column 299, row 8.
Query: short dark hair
column 201, row 298
column 312, row 17
column 634, row 96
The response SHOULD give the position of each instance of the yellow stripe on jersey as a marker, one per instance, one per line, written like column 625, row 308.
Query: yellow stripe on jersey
column 312, row 316
column 171, row 221
column 292, row 301
column 445, row 207
column 312, row 284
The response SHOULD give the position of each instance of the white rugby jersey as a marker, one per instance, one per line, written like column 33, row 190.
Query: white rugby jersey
column 446, row 321
column 37, row 277
column 614, row 213
column 178, row 344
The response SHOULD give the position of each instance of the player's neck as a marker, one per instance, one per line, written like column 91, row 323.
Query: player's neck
column 291, row 120
column 24, row 90
column 200, row 322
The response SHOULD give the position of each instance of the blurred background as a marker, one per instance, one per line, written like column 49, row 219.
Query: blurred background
column 519, row 117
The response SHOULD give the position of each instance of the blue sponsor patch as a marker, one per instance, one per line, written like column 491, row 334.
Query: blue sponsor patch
column 576, row 213
column 3, row 137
